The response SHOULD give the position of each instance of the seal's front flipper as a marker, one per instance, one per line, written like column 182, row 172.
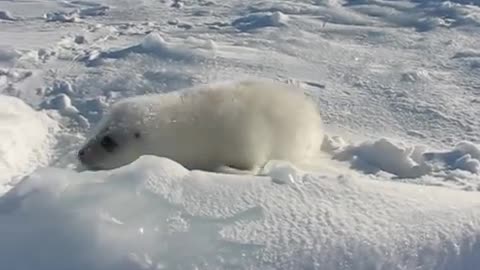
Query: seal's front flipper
column 231, row 170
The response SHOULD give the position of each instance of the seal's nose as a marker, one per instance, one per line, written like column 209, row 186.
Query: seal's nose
column 81, row 155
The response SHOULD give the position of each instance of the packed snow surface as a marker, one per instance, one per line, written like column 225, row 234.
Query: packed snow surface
column 396, row 187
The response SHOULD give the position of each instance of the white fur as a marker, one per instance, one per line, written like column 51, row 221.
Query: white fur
column 217, row 127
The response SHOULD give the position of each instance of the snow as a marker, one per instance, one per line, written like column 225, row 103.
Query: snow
column 77, row 14
column 254, row 21
column 6, row 15
column 464, row 156
column 25, row 139
column 8, row 54
column 155, row 214
column 396, row 82
column 384, row 155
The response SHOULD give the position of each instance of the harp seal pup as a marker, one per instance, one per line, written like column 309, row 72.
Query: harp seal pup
column 230, row 127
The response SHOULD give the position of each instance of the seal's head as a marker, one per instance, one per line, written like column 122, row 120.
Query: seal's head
column 118, row 140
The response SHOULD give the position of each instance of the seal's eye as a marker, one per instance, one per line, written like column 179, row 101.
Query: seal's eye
column 108, row 143
column 137, row 135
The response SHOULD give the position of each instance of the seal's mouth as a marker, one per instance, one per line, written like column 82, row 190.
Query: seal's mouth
column 82, row 156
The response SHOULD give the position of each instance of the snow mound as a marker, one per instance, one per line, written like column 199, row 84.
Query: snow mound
column 464, row 156
column 92, row 10
column 255, row 21
column 8, row 53
column 402, row 160
column 25, row 139
column 155, row 214
column 384, row 155
column 60, row 16
column 155, row 45
column 7, row 16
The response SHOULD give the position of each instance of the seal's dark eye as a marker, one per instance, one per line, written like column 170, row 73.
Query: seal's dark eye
column 108, row 143
column 137, row 135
